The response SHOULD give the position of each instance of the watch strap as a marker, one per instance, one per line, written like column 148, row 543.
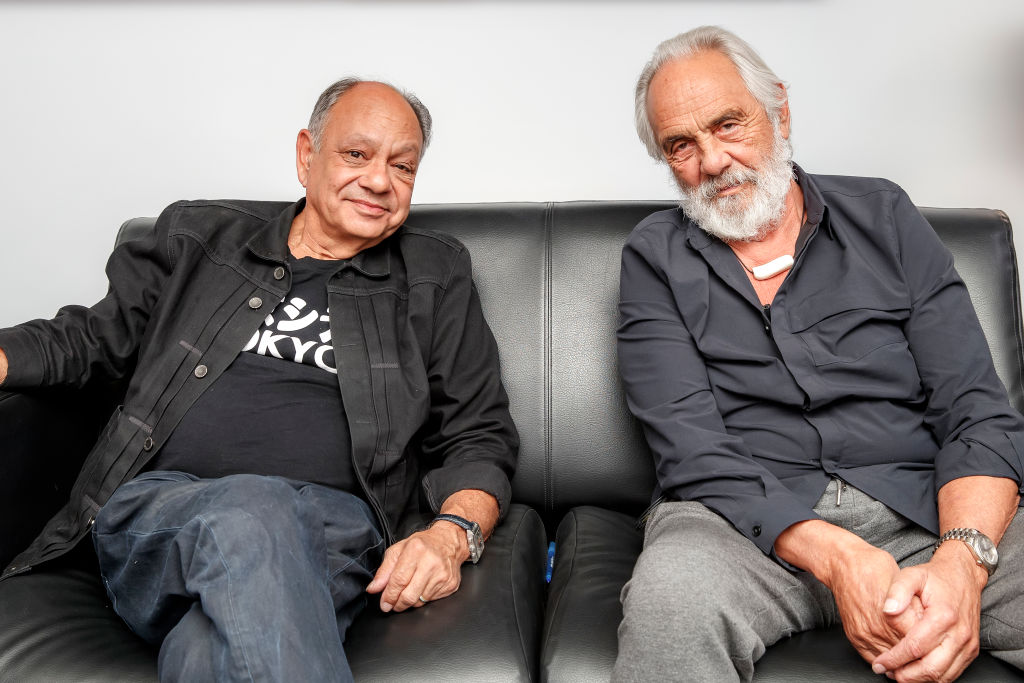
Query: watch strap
column 474, row 536
column 969, row 538
column 455, row 519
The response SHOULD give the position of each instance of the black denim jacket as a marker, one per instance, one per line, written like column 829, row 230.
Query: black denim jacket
column 417, row 363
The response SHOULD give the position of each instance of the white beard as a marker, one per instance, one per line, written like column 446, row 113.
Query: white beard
column 736, row 218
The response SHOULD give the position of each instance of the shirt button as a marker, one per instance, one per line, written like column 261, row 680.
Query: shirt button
column 147, row 445
column 279, row 273
column 255, row 302
column 200, row 371
column 757, row 530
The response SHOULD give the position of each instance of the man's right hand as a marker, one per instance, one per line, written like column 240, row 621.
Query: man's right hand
column 3, row 366
column 859, row 576
column 859, row 580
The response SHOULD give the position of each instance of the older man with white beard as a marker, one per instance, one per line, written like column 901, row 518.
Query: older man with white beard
column 831, row 440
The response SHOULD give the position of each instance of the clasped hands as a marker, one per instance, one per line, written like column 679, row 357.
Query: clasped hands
column 915, row 624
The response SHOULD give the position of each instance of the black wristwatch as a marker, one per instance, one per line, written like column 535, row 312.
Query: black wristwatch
column 473, row 534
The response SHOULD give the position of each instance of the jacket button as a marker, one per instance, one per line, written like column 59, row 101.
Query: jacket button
column 255, row 302
column 147, row 445
column 757, row 530
column 200, row 371
column 279, row 273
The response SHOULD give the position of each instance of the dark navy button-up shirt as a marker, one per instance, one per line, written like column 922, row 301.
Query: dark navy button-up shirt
column 869, row 365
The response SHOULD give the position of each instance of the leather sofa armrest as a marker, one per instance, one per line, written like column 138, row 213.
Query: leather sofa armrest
column 594, row 557
column 489, row 630
column 57, row 624
column 595, row 550
column 44, row 436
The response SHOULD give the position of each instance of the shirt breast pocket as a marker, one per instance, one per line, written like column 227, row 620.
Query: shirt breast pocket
column 850, row 327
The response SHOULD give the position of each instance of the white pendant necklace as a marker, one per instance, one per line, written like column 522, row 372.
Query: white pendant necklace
column 766, row 271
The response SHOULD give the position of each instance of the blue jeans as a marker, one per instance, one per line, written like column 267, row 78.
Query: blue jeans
column 241, row 578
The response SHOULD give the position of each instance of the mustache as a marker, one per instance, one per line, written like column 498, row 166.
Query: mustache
column 710, row 188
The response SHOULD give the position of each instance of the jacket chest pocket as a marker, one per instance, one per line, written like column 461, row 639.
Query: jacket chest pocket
column 849, row 327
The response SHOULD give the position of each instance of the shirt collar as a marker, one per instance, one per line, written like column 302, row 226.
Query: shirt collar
column 271, row 242
column 814, row 203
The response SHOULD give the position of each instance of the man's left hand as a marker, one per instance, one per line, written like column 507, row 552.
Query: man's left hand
column 428, row 563
column 945, row 640
column 425, row 565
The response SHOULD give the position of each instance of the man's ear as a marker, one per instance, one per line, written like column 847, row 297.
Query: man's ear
column 784, row 112
column 303, row 155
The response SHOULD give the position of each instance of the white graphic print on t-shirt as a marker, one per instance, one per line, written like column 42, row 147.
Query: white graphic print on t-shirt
column 307, row 339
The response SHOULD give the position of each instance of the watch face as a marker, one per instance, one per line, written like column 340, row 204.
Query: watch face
column 986, row 550
column 476, row 542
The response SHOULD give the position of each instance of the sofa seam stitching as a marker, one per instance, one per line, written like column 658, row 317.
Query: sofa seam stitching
column 554, row 608
column 1015, row 295
column 515, row 601
column 549, row 492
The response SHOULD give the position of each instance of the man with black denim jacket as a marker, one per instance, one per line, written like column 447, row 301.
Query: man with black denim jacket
column 304, row 371
column 819, row 398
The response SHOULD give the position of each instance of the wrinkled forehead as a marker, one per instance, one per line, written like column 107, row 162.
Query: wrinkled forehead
column 705, row 78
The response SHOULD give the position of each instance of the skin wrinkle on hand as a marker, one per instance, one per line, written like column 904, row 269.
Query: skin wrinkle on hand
column 428, row 563
column 950, row 584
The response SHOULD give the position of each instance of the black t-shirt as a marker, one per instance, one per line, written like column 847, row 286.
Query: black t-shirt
column 277, row 409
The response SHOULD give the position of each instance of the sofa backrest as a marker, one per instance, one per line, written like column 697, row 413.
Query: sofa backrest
column 982, row 244
column 548, row 278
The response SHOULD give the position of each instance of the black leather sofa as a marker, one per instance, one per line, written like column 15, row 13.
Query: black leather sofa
column 548, row 278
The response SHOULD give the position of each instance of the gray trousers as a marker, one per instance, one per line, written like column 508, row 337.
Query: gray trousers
column 705, row 601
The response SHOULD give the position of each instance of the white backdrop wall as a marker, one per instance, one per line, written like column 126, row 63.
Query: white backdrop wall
column 113, row 110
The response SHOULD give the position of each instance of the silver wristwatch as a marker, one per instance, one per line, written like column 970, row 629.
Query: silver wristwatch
column 473, row 534
column 984, row 549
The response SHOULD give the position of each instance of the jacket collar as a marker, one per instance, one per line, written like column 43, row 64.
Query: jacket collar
column 271, row 243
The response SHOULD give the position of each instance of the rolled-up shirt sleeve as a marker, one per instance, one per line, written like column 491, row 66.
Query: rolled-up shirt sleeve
column 968, row 411
column 668, row 390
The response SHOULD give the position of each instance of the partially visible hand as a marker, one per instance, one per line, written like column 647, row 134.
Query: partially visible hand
column 945, row 640
column 428, row 563
column 860, row 584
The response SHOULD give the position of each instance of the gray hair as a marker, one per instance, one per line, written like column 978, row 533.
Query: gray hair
column 318, row 119
column 759, row 79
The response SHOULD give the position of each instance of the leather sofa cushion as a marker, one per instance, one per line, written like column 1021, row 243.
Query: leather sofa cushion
column 57, row 624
